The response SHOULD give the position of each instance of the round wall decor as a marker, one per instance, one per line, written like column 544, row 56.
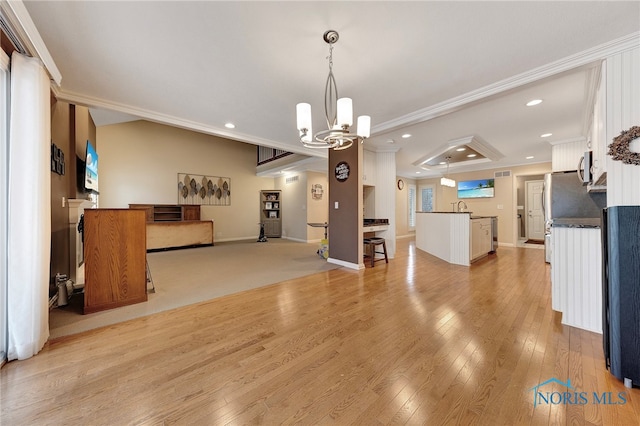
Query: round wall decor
column 400, row 184
column 342, row 171
column 619, row 149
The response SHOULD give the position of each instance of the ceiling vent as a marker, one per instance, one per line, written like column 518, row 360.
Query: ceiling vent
column 292, row 179
column 503, row 173
column 458, row 152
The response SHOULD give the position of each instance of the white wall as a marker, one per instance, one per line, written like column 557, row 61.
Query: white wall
column 623, row 112
column 140, row 162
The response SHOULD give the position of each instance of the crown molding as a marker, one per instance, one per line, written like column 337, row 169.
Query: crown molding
column 25, row 31
column 585, row 58
column 570, row 140
column 91, row 102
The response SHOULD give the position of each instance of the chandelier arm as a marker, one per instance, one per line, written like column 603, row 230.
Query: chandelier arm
column 335, row 137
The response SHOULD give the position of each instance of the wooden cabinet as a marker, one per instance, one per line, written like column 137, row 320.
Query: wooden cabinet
column 188, row 233
column 271, row 212
column 190, row 212
column 168, row 212
column 174, row 226
column 115, row 258
column 480, row 238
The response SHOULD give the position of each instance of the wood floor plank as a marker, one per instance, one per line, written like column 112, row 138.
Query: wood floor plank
column 415, row 341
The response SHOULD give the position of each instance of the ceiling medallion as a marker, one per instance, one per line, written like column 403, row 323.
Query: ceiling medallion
column 338, row 112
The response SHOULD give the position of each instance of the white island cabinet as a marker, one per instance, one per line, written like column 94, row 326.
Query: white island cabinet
column 576, row 272
column 456, row 237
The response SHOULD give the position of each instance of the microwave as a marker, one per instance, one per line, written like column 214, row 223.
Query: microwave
column 584, row 168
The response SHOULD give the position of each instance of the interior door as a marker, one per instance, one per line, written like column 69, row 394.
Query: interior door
column 535, row 211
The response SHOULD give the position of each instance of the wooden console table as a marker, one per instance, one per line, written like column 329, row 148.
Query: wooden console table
column 179, row 234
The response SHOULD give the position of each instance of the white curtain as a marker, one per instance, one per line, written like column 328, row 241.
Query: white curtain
column 29, row 235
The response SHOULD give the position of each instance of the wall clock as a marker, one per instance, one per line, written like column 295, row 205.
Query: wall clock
column 342, row 171
column 400, row 184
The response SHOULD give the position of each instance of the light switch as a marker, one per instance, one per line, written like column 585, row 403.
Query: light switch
column 336, row 205
column 500, row 206
column 63, row 201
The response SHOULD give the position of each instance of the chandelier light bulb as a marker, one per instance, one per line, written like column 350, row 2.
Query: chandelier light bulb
column 364, row 126
column 303, row 115
column 345, row 112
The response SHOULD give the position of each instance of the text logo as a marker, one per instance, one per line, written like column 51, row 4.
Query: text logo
column 571, row 396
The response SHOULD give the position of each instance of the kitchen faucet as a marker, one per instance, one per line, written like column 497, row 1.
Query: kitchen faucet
column 464, row 208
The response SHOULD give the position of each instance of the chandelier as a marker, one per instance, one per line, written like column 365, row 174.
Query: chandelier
column 338, row 111
column 445, row 181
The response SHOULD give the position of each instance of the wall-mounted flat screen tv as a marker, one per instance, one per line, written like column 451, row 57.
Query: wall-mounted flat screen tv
column 480, row 188
column 91, row 170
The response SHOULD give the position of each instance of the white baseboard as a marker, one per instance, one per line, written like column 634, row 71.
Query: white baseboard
column 346, row 264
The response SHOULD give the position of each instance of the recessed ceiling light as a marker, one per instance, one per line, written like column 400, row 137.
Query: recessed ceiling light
column 471, row 155
column 391, row 141
column 460, row 149
column 546, row 135
column 406, row 135
column 534, row 102
column 418, row 173
column 442, row 162
column 230, row 125
column 529, row 157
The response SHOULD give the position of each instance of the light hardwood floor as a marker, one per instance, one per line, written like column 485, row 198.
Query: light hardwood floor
column 415, row 341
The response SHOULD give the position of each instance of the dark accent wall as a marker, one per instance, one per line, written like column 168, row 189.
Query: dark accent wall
column 344, row 237
column 69, row 124
column 60, row 185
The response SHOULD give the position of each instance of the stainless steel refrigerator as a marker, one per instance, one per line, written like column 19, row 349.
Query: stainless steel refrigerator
column 565, row 197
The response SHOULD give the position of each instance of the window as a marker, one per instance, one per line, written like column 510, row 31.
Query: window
column 411, row 206
column 427, row 198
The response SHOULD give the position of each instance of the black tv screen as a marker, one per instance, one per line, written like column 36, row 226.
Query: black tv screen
column 480, row 188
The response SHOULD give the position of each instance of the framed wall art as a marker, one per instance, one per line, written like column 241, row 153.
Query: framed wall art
column 204, row 190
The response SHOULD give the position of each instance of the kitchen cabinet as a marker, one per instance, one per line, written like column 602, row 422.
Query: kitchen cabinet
column 598, row 133
column 369, row 168
column 480, row 237
column 565, row 156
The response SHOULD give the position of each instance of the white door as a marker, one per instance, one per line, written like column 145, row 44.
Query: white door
column 535, row 212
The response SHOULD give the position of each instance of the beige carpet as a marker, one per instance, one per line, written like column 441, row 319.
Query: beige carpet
column 187, row 276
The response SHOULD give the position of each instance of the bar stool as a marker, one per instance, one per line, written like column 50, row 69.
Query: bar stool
column 371, row 245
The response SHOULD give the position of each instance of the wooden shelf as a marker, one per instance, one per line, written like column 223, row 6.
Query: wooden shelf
column 270, row 214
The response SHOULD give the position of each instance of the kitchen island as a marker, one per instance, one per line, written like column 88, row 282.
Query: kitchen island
column 449, row 236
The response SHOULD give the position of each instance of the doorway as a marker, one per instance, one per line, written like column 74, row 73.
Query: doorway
column 534, row 211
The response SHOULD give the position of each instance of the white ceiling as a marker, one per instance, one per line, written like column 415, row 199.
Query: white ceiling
column 437, row 70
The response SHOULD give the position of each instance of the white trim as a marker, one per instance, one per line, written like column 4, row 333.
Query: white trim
column 4, row 60
column 78, row 99
column 346, row 264
column 570, row 140
column 584, row 58
column 27, row 33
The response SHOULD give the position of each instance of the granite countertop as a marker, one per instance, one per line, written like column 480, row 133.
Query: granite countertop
column 576, row 222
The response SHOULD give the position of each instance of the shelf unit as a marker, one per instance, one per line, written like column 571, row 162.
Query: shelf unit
column 271, row 212
column 168, row 212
